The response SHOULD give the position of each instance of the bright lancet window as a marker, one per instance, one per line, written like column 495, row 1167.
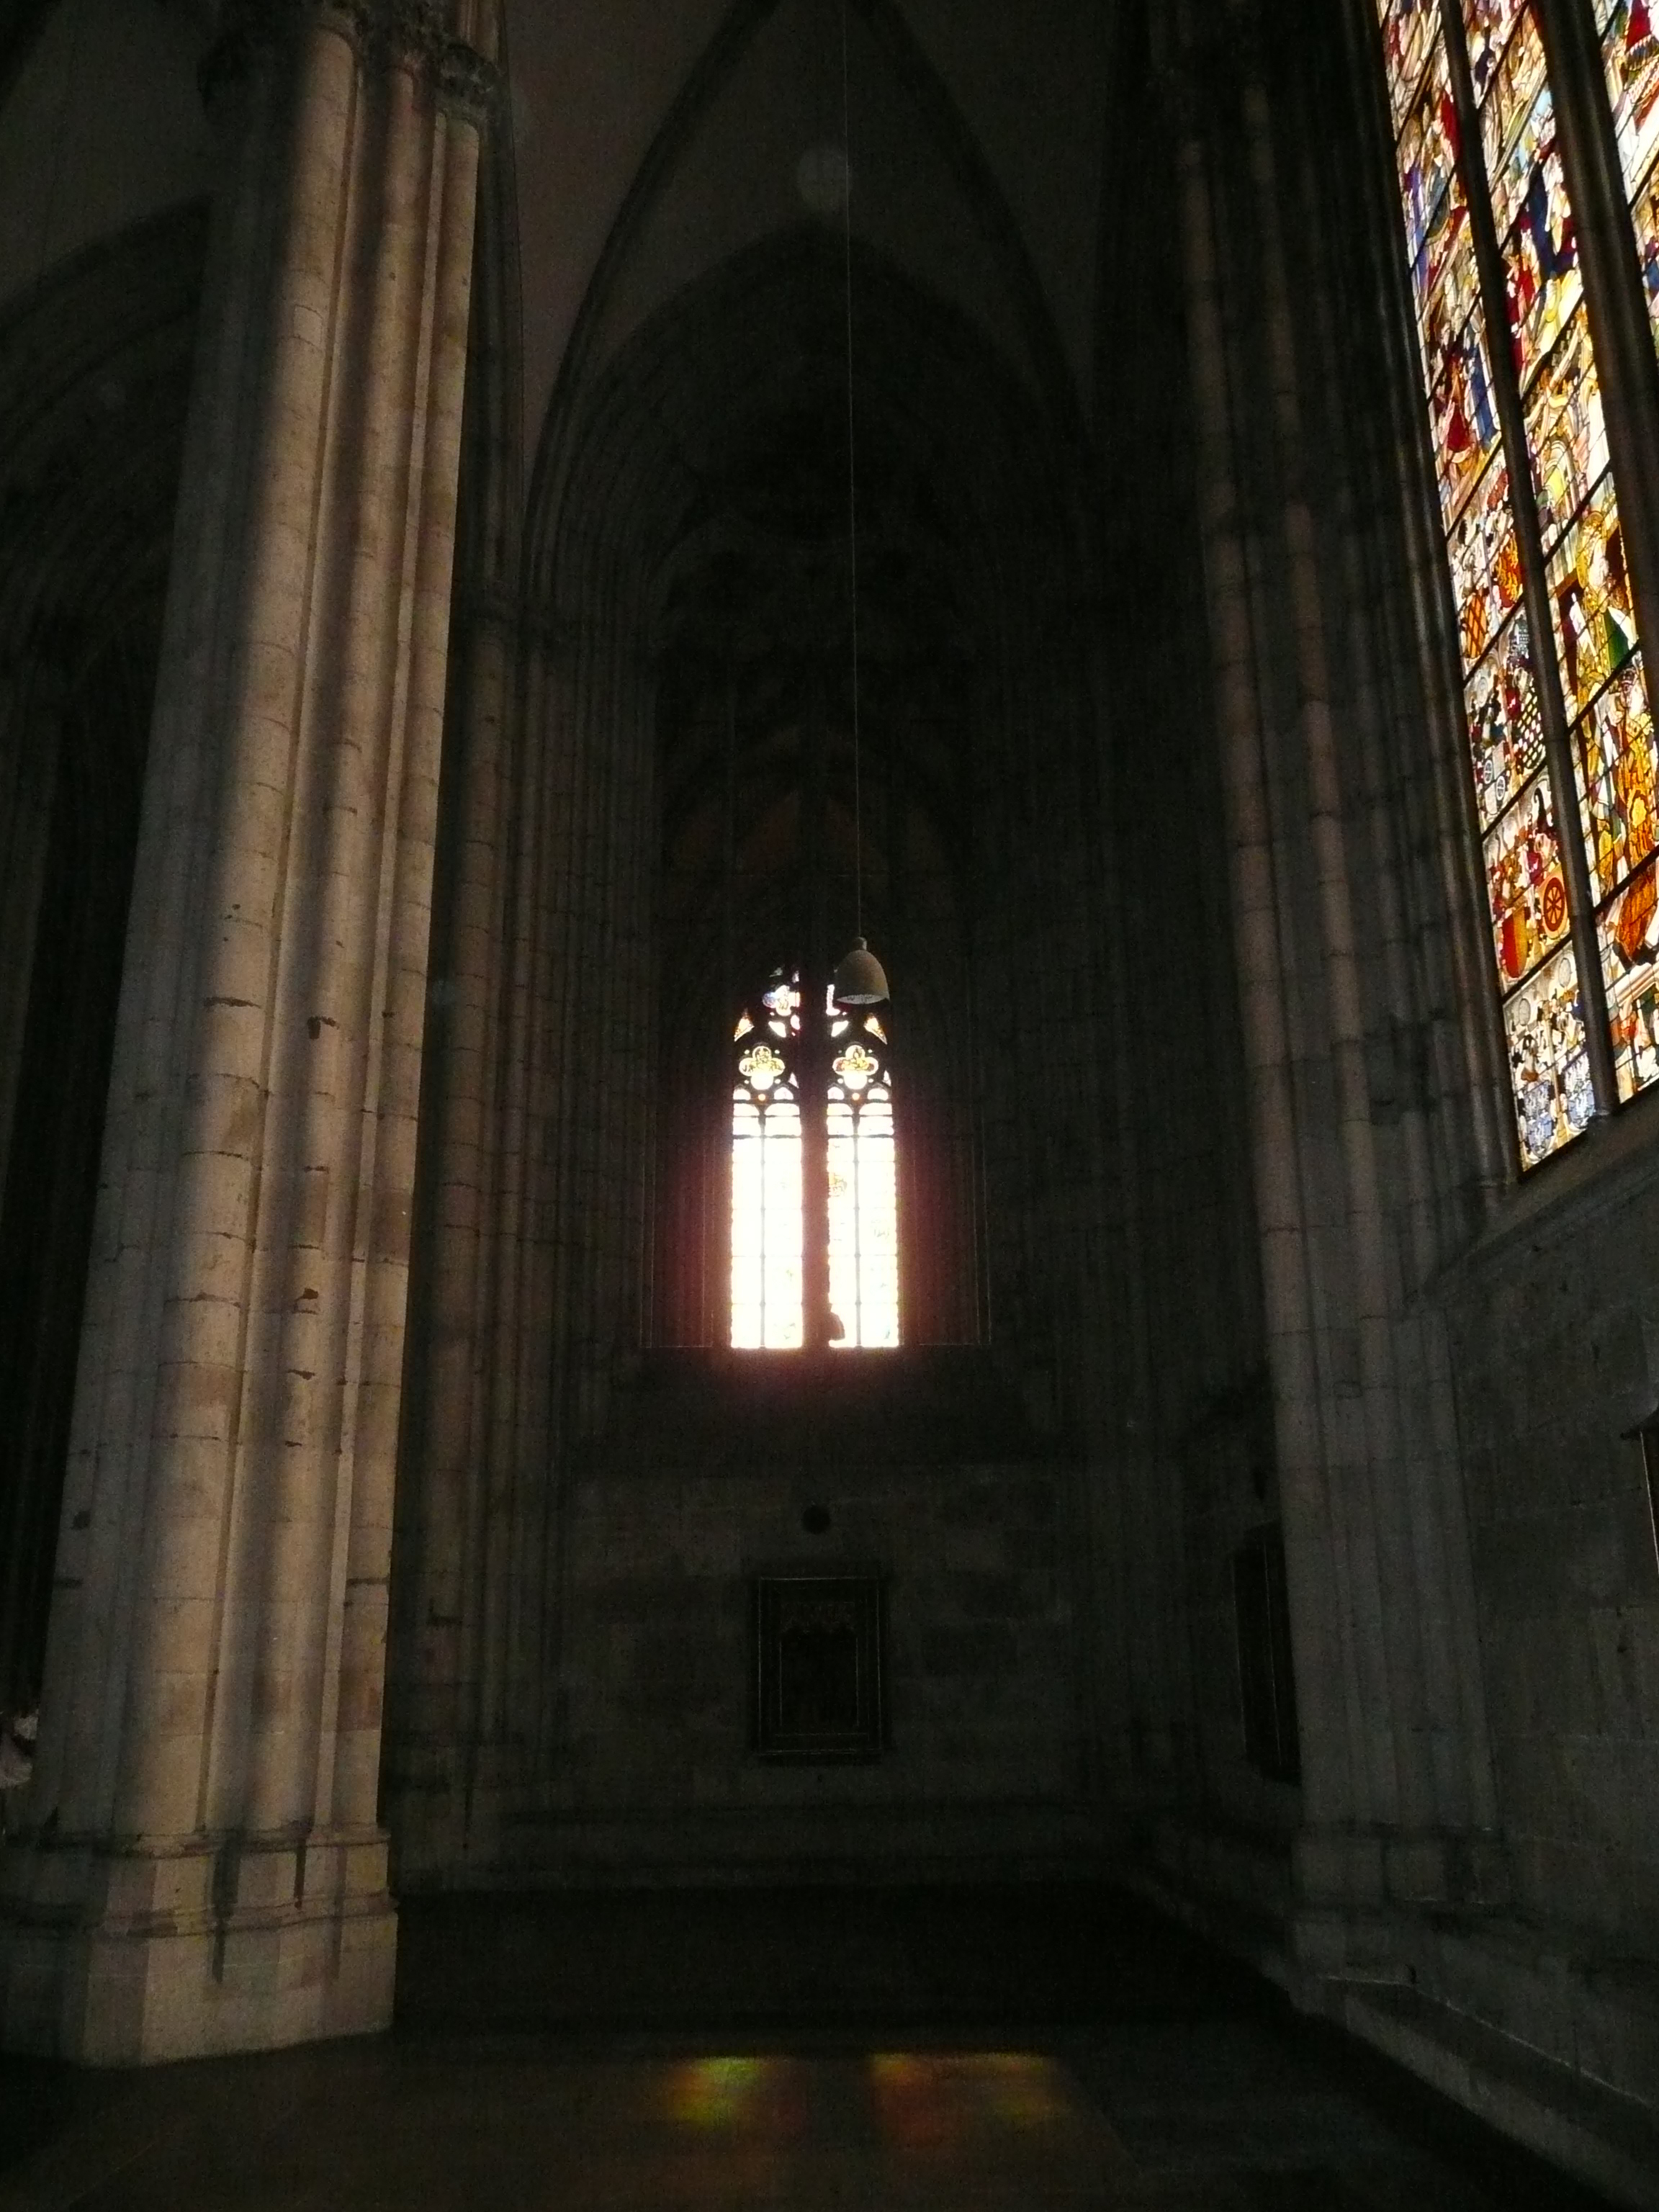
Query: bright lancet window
column 863, row 1187
column 813, row 1098
column 1555, row 689
column 765, row 1178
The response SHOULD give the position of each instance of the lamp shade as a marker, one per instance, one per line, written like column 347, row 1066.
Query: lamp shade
column 860, row 980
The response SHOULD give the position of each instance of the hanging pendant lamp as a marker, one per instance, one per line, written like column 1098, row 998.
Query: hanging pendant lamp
column 859, row 979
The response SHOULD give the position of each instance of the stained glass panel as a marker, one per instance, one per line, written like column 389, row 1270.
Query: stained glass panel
column 1630, row 967
column 1549, row 1066
column 1426, row 158
column 1618, row 769
column 1525, row 884
column 1566, row 432
column 1630, row 53
column 1410, row 27
column 1645, row 212
column 1489, row 23
column 1506, row 730
column 1541, row 282
column 1485, row 564
column 1517, row 120
column 1448, row 292
column 1464, row 418
column 1590, row 599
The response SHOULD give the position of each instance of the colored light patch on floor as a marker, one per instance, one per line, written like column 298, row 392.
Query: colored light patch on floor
column 923, row 2098
column 1184, row 2117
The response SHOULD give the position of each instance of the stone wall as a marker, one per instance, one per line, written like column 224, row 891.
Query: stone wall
column 700, row 1482
column 1555, row 1317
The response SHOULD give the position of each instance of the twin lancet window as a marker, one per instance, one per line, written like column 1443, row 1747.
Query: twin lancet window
column 1549, row 604
column 814, row 1187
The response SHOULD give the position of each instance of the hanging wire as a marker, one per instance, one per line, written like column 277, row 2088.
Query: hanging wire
column 852, row 472
column 49, row 199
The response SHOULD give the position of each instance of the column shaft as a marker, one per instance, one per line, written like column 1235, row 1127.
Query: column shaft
column 206, row 1871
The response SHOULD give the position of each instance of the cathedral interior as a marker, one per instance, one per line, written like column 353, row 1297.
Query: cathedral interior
column 579, row 1457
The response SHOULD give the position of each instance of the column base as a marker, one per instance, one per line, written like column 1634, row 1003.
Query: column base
column 189, row 1950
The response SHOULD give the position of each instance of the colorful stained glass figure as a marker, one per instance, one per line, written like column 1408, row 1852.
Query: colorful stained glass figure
column 1566, row 432
column 1590, row 599
column 1630, row 51
column 1517, row 120
column 1489, row 23
column 1645, row 213
column 1427, row 159
column 775, row 1137
column 1451, row 291
column 1618, row 771
column 1549, row 1065
column 1630, row 968
column 1525, row 883
column 1506, row 728
column 1485, row 564
column 1464, row 415
column 1541, row 282
column 1410, row 28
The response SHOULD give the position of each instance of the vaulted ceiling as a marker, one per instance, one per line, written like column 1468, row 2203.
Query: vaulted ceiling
column 653, row 140
column 655, row 137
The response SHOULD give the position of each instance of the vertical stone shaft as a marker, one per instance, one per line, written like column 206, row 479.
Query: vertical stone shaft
column 1326, row 1693
column 1393, row 1745
column 1403, row 1518
column 211, row 1714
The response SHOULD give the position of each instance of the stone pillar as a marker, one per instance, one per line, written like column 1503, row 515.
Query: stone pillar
column 201, row 1867
column 1398, row 1801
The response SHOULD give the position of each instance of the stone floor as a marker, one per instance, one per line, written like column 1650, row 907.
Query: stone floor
column 1189, row 2088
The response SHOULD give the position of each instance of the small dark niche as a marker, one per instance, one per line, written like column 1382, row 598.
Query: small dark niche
column 816, row 1520
column 815, row 1660
column 1267, row 1678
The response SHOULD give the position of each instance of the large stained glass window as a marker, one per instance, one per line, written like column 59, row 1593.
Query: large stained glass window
column 813, row 1099
column 1560, row 735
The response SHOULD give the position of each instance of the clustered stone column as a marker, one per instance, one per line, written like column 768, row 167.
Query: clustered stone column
column 202, row 1866
column 1398, row 1805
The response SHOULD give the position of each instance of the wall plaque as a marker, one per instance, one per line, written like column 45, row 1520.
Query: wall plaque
column 816, row 1665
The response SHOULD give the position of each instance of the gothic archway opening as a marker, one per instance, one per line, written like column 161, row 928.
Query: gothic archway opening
column 93, row 400
column 760, row 839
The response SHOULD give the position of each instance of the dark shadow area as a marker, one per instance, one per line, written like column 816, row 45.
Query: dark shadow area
column 970, row 1955
column 991, row 2046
